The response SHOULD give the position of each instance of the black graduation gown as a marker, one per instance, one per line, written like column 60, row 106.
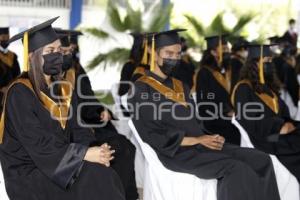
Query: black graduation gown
column 41, row 160
column 264, row 133
column 213, row 97
column 248, row 170
column 291, row 38
column 123, row 163
column 185, row 71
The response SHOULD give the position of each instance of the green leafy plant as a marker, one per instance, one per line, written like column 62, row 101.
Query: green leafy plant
column 132, row 21
column 216, row 27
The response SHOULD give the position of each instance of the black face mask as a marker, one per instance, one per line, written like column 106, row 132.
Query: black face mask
column 75, row 54
column 269, row 71
column 226, row 56
column 4, row 44
column 169, row 65
column 68, row 60
column 53, row 63
column 226, row 60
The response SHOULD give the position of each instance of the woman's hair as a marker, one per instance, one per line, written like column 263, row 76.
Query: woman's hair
column 250, row 72
column 35, row 73
column 137, row 49
column 208, row 59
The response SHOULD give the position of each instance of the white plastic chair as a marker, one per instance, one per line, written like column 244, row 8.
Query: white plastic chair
column 3, row 194
column 287, row 183
column 161, row 183
column 123, row 128
column 286, row 97
column 297, row 116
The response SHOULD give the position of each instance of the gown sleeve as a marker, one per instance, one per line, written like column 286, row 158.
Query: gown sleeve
column 90, row 113
column 79, row 132
column 54, row 156
column 261, row 128
column 165, row 141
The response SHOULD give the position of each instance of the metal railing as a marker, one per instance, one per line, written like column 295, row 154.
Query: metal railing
column 44, row 3
column 37, row 3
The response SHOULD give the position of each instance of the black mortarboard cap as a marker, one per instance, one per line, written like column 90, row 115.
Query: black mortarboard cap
column 274, row 39
column 239, row 43
column 74, row 36
column 165, row 38
column 38, row 36
column 254, row 51
column 213, row 41
column 4, row 30
column 35, row 38
column 63, row 37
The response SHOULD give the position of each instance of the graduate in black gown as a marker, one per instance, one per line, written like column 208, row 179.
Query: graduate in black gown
column 286, row 72
column 44, row 152
column 186, row 70
column 291, row 35
column 135, row 67
column 213, row 87
column 135, row 59
column 271, row 128
column 164, row 115
column 9, row 65
column 238, row 58
column 98, row 117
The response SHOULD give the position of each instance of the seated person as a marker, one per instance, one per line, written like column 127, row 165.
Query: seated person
column 270, row 128
column 100, row 116
column 163, row 114
column 44, row 152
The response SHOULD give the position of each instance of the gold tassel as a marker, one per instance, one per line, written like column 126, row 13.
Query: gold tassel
column 145, row 55
column 152, row 65
column 261, row 67
column 220, row 51
column 25, row 43
column 2, row 125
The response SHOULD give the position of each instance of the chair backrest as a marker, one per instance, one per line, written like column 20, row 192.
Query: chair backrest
column 124, row 101
column 149, row 154
column 245, row 140
column 3, row 195
column 286, row 97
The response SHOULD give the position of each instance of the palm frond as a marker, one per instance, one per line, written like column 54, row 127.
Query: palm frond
column 160, row 17
column 96, row 32
column 114, row 17
column 243, row 21
column 117, row 55
column 217, row 26
column 196, row 24
column 133, row 19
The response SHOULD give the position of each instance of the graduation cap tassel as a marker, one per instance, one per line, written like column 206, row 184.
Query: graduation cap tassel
column 145, row 55
column 220, row 46
column 25, row 43
column 152, row 65
column 261, row 67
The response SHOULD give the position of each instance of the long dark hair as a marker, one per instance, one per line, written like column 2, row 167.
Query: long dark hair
column 137, row 49
column 35, row 73
column 250, row 72
column 208, row 60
